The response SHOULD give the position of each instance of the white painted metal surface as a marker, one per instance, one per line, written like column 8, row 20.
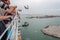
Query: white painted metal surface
column 14, row 28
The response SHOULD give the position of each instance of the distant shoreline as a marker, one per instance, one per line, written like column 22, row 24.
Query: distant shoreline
column 46, row 16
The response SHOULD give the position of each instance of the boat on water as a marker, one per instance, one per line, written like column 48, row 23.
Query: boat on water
column 25, row 24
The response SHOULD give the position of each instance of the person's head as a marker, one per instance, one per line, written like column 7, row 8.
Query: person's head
column 6, row 1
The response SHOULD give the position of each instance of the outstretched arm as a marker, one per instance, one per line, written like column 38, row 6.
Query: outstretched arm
column 11, row 9
column 4, row 17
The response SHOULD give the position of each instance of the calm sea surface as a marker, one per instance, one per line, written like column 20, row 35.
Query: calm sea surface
column 33, row 31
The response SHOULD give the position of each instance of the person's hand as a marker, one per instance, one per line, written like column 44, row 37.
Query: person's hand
column 14, row 13
column 10, row 17
column 8, row 11
column 13, row 6
column 11, row 9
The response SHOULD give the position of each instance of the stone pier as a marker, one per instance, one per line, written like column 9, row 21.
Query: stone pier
column 52, row 31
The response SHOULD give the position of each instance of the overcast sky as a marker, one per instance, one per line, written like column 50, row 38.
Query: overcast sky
column 45, row 7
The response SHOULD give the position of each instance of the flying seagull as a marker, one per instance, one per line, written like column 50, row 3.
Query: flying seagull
column 26, row 7
column 19, row 9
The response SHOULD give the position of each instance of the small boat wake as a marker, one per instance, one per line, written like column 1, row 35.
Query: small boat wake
column 25, row 24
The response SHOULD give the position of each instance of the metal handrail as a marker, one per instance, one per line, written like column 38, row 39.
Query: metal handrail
column 14, row 34
column 7, row 28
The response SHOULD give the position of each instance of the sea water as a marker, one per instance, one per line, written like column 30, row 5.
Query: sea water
column 33, row 31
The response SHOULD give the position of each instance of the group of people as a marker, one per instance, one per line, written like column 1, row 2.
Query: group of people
column 6, row 12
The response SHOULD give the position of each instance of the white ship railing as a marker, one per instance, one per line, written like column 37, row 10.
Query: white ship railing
column 14, row 28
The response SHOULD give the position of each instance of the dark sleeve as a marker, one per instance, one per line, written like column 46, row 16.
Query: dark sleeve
column 2, row 27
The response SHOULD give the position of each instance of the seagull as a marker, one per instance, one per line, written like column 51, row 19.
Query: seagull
column 19, row 9
column 26, row 7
